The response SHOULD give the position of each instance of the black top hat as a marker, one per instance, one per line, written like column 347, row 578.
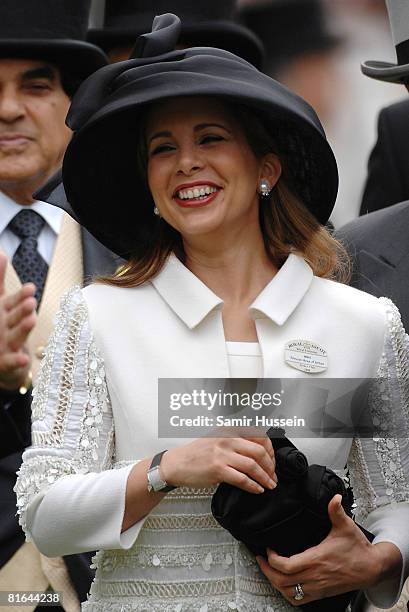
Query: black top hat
column 289, row 28
column 52, row 30
column 105, row 192
column 398, row 11
column 205, row 23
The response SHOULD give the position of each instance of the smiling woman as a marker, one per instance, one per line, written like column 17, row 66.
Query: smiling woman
column 207, row 138
column 196, row 143
column 215, row 182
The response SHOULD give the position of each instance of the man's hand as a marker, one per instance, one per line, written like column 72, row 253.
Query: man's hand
column 17, row 319
column 344, row 561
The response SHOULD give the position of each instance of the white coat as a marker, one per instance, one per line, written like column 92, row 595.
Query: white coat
column 101, row 374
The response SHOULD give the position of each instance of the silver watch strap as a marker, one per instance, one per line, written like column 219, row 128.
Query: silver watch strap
column 155, row 481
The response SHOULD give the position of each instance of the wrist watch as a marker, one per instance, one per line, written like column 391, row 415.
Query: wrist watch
column 155, row 481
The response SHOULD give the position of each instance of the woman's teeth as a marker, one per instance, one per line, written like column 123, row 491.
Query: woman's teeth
column 197, row 192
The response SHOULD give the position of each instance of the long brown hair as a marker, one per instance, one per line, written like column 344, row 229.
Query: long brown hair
column 287, row 225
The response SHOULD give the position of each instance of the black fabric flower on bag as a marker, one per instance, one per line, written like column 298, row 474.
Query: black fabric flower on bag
column 290, row 518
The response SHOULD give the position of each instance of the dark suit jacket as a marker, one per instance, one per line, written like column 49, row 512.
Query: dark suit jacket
column 15, row 435
column 388, row 167
column 379, row 246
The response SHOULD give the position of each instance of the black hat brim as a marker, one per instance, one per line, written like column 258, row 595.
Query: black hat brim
column 79, row 58
column 226, row 35
column 386, row 71
column 113, row 202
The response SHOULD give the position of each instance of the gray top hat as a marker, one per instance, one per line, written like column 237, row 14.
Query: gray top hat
column 398, row 11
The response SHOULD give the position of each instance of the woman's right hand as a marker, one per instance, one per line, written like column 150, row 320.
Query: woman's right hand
column 247, row 463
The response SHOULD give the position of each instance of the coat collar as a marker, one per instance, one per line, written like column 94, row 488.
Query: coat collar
column 192, row 300
column 284, row 292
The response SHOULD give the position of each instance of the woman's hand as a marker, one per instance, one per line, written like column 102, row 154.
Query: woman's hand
column 247, row 463
column 344, row 561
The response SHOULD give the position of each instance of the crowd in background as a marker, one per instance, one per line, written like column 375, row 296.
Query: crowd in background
column 316, row 48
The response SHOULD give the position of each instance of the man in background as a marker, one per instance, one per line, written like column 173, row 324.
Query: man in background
column 378, row 242
column 43, row 59
column 388, row 168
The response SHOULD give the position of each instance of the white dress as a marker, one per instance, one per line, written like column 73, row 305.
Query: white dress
column 71, row 486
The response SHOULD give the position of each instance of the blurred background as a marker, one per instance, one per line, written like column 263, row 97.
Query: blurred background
column 316, row 48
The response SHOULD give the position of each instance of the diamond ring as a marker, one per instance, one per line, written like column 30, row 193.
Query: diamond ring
column 298, row 592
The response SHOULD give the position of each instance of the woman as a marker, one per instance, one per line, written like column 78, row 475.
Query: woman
column 193, row 165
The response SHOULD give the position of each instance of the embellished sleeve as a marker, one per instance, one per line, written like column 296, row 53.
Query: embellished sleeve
column 68, row 498
column 379, row 465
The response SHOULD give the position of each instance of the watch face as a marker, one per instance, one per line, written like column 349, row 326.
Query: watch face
column 155, row 482
column 159, row 484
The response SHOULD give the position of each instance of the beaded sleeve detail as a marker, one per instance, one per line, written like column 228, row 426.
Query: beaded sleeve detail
column 72, row 429
column 379, row 465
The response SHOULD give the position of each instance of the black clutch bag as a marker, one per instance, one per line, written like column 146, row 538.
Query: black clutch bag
column 290, row 518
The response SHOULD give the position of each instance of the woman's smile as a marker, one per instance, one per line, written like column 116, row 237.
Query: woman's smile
column 196, row 194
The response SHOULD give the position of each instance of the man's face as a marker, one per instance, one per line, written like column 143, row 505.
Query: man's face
column 33, row 135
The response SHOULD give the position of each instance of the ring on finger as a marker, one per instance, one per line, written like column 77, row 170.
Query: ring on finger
column 298, row 592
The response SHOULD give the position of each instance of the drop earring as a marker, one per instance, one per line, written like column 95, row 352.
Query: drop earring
column 156, row 211
column 264, row 188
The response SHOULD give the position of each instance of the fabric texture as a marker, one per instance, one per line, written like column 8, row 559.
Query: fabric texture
column 27, row 261
column 77, row 256
column 377, row 242
column 245, row 359
column 387, row 181
column 379, row 249
column 178, row 558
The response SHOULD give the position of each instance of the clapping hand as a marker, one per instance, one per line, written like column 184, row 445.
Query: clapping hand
column 17, row 319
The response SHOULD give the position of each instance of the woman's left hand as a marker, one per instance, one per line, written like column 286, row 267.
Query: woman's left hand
column 344, row 561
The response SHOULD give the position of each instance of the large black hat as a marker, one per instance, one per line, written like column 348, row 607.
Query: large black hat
column 398, row 11
column 205, row 23
column 52, row 30
column 289, row 28
column 100, row 174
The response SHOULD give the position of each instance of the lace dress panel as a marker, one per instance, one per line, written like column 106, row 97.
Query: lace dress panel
column 61, row 398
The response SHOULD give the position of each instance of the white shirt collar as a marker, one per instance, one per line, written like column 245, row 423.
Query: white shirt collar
column 192, row 300
column 9, row 208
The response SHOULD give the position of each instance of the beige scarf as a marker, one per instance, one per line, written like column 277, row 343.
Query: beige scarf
column 28, row 570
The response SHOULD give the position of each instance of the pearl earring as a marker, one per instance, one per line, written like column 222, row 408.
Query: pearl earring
column 156, row 211
column 264, row 188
